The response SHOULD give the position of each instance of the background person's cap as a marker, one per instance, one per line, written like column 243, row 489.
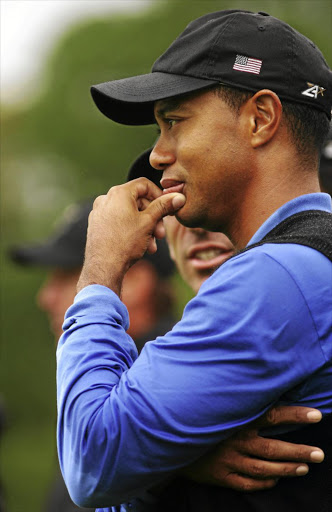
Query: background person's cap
column 241, row 49
column 66, row 245
column 141, row 167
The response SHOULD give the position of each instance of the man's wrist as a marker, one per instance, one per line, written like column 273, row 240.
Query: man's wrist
column 112, row 277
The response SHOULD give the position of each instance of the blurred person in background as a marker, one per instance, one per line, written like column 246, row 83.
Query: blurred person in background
column 147, row 291
column 61, row 255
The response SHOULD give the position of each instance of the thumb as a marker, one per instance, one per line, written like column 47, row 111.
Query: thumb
column 167, row 204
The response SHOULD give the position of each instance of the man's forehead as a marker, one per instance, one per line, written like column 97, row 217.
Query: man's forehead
column 161, row 107
column 176, row 103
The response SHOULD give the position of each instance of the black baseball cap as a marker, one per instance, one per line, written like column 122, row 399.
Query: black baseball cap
column 66, row 245
column 65, row 248
column 237, row 48
column 141, row 167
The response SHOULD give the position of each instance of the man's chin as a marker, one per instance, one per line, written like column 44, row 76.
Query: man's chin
column 199, row 220
column 188, row 220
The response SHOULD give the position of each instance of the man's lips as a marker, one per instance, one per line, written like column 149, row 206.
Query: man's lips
column 207, row 255
column 170, row 186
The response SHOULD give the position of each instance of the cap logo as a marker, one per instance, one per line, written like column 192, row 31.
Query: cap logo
column 247, row 64
column 313, row 91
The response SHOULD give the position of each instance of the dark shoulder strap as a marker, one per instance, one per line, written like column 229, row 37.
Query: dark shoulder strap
column 312, row 228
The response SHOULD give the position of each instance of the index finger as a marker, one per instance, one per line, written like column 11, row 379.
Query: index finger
column 288, row 414
column 143, row 188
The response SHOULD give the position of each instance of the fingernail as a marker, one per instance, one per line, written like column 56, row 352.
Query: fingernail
column 317, row 456
column 178, row 201
column 302, row 470
column 314, row 416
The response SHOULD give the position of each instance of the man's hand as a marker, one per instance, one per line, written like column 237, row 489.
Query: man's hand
column 122, row 227
column 248, row 462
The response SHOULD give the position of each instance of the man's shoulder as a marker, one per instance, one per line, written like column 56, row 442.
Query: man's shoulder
column 287, row 255
column 272, row 286
column 269, row 268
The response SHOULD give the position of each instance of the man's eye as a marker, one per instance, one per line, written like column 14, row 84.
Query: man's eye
column 168, row 123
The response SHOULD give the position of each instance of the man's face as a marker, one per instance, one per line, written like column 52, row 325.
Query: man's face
column 139, row 291
column 202, row 152
column 56, row 295
column 196, row 252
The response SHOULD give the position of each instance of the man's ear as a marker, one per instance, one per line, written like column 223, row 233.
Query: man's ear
column 264, row 111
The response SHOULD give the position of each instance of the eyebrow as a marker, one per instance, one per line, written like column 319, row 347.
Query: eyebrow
column 169, row 105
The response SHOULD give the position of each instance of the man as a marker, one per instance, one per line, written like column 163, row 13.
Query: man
column 148, row 297
column 259, row 330
column 197, row 253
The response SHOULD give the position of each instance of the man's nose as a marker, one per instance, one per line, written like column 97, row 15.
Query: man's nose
column 161, row 156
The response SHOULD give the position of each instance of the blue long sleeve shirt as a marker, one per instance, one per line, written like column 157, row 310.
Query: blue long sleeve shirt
column 258, row 332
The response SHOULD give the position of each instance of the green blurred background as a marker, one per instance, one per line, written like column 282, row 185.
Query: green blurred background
column 58, row 148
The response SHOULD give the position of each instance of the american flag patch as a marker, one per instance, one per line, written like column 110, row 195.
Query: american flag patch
column 247, row 64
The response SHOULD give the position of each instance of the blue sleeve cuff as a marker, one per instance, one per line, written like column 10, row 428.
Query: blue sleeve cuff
column 95, row 303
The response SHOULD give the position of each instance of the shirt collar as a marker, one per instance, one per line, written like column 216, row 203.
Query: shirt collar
column 317, row 201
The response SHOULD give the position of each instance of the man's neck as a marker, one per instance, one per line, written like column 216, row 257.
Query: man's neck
column 263, row 199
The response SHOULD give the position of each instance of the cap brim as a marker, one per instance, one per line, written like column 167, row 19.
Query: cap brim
column 46, row 255
column 142, row 168
column 130, row 100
